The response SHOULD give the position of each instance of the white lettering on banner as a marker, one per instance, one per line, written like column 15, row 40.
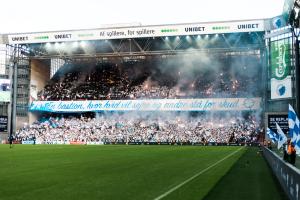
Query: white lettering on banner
column 226, row 104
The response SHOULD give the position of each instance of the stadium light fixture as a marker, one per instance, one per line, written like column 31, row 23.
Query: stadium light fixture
column 62, row 45
column 176, row 40
column 75, row 44
column 83, row 44
column 56, row 45
column 48, row 46
column 188, row 38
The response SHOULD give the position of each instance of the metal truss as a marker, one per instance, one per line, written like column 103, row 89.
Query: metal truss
column 139, row 47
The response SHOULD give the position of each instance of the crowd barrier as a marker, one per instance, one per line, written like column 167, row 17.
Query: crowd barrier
column 287, row 175
column 134, row 143
column 184, row 143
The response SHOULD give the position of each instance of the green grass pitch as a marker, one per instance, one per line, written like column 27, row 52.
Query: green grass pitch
column 130, row 172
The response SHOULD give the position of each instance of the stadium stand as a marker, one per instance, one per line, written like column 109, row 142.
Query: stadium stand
column 122, row 128
column 139, row 81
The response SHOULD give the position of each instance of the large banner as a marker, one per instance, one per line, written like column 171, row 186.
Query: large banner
column 139, row 32
column 281, row 81
column 226, row 104
column 281, row 120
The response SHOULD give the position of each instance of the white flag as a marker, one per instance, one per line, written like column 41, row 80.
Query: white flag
column 294, row 126
column 281, row 137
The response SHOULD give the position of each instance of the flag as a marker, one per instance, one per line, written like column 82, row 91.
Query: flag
column 281, row 137
column 272, row 135
column 294, row 128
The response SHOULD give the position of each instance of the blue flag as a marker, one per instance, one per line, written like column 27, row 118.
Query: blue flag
column 294, row 128
column 273, row 136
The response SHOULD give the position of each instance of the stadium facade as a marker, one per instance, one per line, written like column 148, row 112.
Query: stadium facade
column 261, row 50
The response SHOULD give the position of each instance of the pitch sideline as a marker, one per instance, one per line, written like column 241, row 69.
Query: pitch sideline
column 196, row 175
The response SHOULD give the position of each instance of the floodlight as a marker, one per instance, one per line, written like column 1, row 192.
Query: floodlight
column 83, row 44
column 75, row 44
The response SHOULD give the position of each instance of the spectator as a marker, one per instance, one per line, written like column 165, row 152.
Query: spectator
column 151, row 129
column 291, row 152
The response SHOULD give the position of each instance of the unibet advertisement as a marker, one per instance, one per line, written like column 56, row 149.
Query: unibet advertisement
column 281, row 81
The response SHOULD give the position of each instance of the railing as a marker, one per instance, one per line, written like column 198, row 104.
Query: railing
column 287, row 175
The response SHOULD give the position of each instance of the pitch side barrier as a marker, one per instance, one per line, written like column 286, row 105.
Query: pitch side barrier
column 185, row 143
column 139, row 143
column 287, row 175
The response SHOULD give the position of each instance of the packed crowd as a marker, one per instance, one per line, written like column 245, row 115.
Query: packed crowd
column 109, row 81
column 116, row 128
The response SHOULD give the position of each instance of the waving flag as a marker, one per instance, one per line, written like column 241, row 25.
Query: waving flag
column 281, row 137
column 294, row 128
column 272, row 135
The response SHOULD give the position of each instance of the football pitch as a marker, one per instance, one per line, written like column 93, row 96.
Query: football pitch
column 134, row 172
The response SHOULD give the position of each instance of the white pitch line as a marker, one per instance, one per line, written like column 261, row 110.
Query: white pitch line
column 191, row 178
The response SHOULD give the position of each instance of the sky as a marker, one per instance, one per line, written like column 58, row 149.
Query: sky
column 20, row 16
